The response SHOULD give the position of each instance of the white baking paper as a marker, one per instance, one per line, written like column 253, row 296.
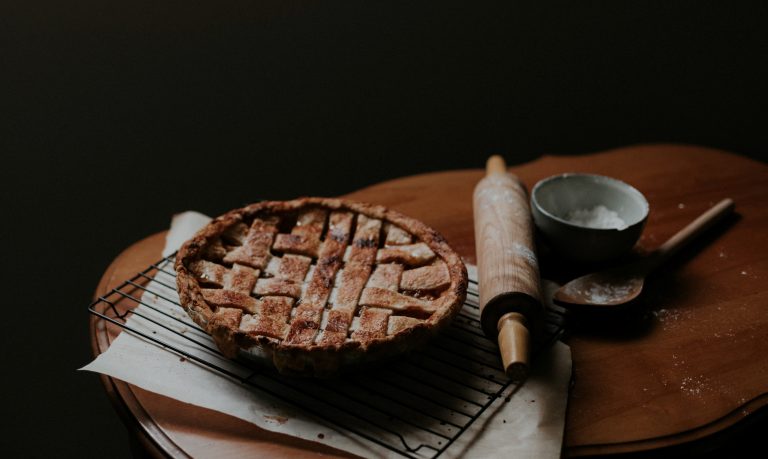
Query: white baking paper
column 528, row 421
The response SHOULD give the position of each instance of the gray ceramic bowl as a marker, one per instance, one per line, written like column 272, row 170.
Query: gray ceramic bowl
column 566, row 210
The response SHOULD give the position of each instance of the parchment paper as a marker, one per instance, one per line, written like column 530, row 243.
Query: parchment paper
column 527, row 422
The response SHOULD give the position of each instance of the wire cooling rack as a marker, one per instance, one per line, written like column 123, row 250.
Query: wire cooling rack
column 416, row 407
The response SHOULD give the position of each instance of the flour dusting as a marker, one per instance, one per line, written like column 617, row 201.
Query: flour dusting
column 524, row 252
column 599, row 217
column 607, row 293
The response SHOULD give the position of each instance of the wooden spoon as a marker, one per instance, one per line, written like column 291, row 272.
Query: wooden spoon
column 618, row 286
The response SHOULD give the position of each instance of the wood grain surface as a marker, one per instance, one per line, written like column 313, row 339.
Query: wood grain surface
column 690, row 362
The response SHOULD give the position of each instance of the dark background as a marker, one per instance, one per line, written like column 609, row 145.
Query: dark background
column 116, row 114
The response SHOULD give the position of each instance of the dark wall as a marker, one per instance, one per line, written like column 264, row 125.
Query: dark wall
column 116, row 114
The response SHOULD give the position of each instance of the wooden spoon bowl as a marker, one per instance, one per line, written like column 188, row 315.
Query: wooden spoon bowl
column 622, row 285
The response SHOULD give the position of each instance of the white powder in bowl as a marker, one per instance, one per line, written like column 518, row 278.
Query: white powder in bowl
column 597, row 217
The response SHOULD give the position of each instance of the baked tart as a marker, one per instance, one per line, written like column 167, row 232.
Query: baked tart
column 315, row 284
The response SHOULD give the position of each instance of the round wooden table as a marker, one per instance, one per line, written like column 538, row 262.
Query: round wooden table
column 687, row 368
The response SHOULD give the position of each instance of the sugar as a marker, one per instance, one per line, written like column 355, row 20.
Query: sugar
column 599, row 217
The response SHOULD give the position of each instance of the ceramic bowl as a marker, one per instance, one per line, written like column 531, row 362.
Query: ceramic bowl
column 588, row 218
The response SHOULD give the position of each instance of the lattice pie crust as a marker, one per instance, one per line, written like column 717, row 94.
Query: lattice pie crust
column 315, row 284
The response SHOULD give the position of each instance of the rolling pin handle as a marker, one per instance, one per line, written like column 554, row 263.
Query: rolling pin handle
column 513, row 345
column 495, row 165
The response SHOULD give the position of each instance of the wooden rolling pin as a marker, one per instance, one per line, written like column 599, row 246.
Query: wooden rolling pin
column 508, row 270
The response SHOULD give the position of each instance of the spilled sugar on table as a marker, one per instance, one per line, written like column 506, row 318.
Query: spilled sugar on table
column 686, row 370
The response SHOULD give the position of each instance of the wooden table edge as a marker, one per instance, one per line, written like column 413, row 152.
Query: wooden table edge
column 704, row 438
column 140, row 425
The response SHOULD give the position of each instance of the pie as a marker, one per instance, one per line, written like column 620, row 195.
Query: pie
column 316, row 284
